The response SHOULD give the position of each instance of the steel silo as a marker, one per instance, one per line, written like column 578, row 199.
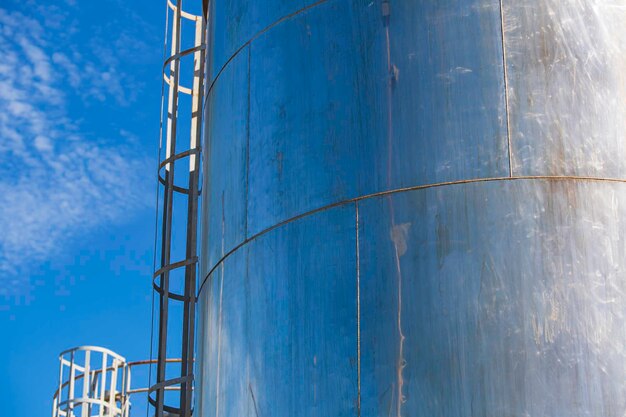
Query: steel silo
column 414, row 208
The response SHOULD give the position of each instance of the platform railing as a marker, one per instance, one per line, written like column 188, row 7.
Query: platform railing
column 96, row 382
column 93, row 382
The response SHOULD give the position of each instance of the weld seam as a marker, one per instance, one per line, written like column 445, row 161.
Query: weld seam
column 358, row 312
column 248, row 142
column 397, row 191
column 257, row 35
column 506, row 90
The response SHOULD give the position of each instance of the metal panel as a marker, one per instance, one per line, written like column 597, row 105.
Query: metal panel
column 229, row 367
column 287, row 335
column 567, row 86
column 235, row 22
column 207, row 348
column 226, row 142
column 503, row 298
column 304, row 119
column 470, row 292
column 332, row 116
column 440, row 95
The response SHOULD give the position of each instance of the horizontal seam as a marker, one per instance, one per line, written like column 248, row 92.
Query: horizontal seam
column 255, row 36
column 396, row 191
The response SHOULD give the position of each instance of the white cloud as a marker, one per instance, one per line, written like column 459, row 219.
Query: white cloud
column 43, row 144
column 56, row 181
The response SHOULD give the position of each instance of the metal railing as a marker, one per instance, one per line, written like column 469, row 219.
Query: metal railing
column 96, row 382
column 93, row 381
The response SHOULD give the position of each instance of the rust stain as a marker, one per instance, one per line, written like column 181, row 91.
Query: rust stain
column 443, row 241
column 398, row 232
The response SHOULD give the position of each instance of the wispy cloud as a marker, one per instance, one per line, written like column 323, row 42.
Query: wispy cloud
column 57, row 181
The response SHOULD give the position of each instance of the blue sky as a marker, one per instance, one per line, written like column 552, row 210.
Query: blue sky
column 79, row 111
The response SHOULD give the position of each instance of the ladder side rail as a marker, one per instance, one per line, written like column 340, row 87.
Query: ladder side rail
column 188, row 342
column 172, row 113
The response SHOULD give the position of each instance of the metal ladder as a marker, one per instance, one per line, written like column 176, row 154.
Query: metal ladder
column 175, row 280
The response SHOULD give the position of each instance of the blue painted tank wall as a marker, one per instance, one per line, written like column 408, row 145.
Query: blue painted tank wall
column 416, row 213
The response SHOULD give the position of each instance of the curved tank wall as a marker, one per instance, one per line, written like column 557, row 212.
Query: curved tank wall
column 414, row 208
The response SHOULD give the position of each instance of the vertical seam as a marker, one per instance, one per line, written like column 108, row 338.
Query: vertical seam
column 257, row 35
column 506, row 90
column 248, row 142
column 358, row 312
column 219, row 346
column 219, row 323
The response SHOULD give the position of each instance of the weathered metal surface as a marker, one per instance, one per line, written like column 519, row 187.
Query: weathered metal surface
column 235, row 22
column 322, row 98
column 471, row 291
column 276, row 316
column 567, row 86
column 502, row 298
column 225, row 157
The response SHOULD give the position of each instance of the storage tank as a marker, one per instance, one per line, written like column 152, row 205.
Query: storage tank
column 414, row 208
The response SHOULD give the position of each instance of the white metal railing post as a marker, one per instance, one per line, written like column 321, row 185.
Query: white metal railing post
column 103, row 385
column 56, row 409
column 86, row 374
column 112, row 388
column 196, row 102
column 70, row 406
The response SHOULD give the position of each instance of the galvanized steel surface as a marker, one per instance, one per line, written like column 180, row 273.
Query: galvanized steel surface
column 414, row 208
